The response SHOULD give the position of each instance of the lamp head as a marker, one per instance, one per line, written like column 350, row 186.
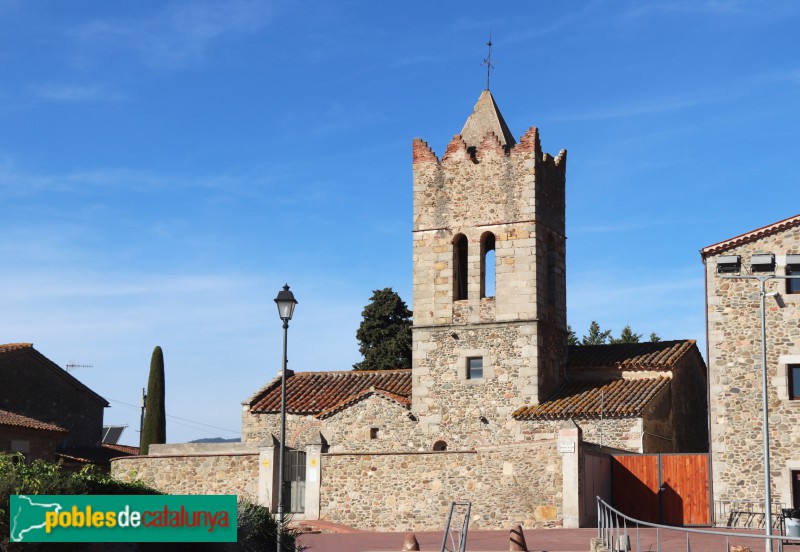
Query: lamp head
column 286, row 303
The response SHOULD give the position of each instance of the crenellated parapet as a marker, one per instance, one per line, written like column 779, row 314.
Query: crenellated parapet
column 422, row 152
column 459, row 150
column 486, row 183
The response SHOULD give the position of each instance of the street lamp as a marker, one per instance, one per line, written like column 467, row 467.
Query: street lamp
column 729, row 266
column 286, row 303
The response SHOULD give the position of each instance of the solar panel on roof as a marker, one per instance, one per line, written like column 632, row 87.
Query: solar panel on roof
column 111, row 434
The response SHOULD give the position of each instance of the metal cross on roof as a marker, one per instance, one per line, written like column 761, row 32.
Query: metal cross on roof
column 488, row 62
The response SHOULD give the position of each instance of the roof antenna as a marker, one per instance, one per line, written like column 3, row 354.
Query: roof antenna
column 488, row 62
column 71, row 366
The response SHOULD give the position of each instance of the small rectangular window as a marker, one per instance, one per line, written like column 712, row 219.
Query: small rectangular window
column 475, row 368
column 794, row 381
column 373, row 433
column 792, row 284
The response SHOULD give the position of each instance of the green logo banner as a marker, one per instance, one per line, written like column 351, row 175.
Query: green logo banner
column 123, row 518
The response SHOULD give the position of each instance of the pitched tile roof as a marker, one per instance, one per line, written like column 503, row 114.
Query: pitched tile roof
column 315, row 392
column 661, row 355
column 134, row 451
column 588, row 399
column 18, row 420
column 751, row 236
column 100, row 456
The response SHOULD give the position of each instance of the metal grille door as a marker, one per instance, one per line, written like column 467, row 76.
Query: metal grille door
column 294, row 497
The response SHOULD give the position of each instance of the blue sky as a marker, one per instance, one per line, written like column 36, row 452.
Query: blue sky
column 167, row 166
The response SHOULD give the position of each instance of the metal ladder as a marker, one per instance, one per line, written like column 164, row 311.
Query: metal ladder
column 457, row 532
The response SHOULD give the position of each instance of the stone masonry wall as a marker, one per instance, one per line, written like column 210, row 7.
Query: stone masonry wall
column 449, row 405
column 210, row 473
column 734, row 354
column 348, row 430
column 397, row 492
column 618, row 433
column 688, row 407
column 493, row 192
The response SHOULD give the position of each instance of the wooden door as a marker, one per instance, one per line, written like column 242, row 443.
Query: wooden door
column 662, row 488
column 684, row 489
column 635, row 486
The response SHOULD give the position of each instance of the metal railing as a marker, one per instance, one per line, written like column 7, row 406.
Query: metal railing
column 457, row 532
column 620, row 532
column 746, row 514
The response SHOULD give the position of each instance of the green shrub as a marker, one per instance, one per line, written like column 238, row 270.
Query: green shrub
column 256, row 529
column 46, row 478
column 256, row 524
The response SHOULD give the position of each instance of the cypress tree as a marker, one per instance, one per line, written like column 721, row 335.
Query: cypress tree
column 154, row 428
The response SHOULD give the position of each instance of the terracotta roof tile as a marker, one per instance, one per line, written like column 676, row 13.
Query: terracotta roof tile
column 661, row 355
column 122, row 448
column 403, row 401
column 18, row 420
column 8, row 347
column 586, row 399
column 751, row 236
column 101, row 455
column 314, row 392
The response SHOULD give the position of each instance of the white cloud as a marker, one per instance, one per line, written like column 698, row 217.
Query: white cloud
column 220, row 334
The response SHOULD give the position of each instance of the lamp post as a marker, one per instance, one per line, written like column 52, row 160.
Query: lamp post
column 286, row 303
column 730, row 266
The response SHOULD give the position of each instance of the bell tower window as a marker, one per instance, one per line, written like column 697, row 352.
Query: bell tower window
column 487, row 265
column 460, row 252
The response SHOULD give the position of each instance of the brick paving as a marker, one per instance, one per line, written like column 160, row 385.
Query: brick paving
column 538, row 540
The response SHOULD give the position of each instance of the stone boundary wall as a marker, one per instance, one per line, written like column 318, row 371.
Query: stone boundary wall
column 198, row 473
column 519, row 483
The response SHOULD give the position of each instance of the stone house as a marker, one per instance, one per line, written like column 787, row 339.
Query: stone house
column 496, row 408
column 61, row 418
column 733, row 319
column 35, row 439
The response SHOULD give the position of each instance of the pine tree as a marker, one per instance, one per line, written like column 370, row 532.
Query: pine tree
column 384, row 335
column 627, row 336
column 595, row 335
column 654, row 337
column 572, row 339
column 154, row 427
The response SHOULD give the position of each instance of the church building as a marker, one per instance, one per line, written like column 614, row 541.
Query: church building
column 496, row 408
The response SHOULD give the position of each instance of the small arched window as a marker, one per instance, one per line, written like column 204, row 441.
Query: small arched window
column 440, row 446
column 487, row 265
column 460, row 252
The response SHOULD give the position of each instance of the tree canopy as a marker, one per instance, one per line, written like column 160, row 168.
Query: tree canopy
column 384, row 335
column 596, row 336
column 154, row 427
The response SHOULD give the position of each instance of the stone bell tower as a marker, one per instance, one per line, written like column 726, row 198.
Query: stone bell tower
column 489, row 279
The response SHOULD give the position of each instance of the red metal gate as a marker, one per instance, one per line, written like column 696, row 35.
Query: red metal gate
column 662, row 488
